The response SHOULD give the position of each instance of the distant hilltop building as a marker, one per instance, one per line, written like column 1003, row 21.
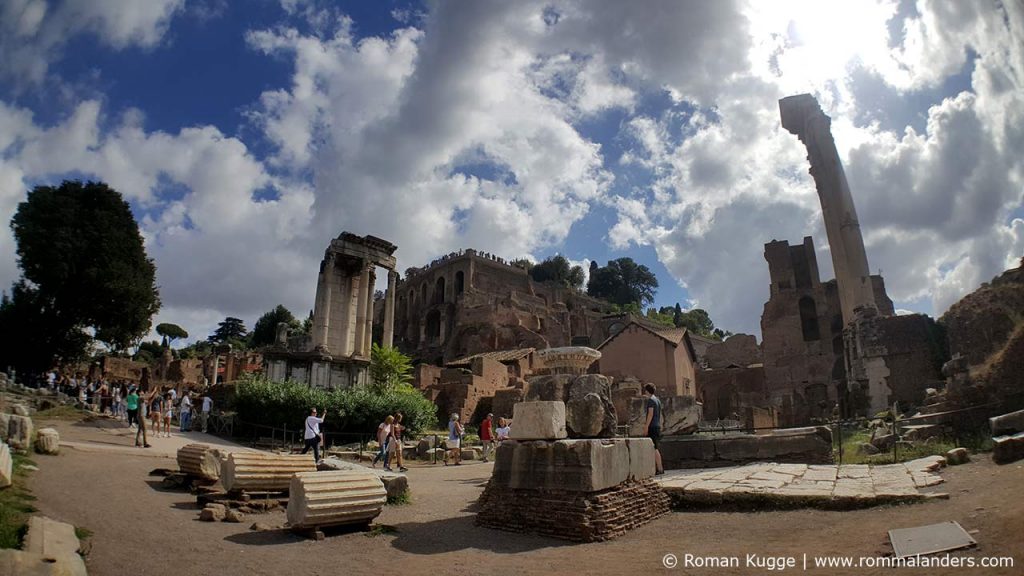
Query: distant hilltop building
column 471, row 302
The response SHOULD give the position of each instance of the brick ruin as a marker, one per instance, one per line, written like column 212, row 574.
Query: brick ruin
column 471, row 302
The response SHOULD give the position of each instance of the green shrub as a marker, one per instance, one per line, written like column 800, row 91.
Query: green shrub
column 261, row 401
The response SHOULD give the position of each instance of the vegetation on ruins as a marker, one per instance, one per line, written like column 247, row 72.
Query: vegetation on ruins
column 261, row 401
column 265, row 329
column 389, row 368
column 170, row 333
column 623, row 282
column 15, row 505
column 230, row 331
column 86, row 275
column 697, row 320
column 149, row 351
column 558, row 270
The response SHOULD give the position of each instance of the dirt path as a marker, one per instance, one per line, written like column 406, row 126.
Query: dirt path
column 140, row 529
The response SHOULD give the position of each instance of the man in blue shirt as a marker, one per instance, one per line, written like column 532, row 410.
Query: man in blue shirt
column 652, row 425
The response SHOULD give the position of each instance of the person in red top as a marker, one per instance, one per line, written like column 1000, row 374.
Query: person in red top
column 486, row 437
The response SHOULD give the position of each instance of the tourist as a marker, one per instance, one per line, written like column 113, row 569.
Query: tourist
column 115, row 404
column 652, row 426
column 204, row 414
column 168, row 414
column 385, row 433
column 140, row 418
column 132, row 404
column 156, row 410
column 185, row 412
column 312, row 434
column 455, row 432
column 503, row 429
column 396, row 433
column 485, row 436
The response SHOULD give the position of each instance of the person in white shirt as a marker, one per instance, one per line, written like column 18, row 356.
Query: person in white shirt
column 503, row 429
column 204, row 415
column 185, row 413
column 312, row 434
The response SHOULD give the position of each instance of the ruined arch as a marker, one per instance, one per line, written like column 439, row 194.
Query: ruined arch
column 460, row 282
column 439, row 290
column 433, row 332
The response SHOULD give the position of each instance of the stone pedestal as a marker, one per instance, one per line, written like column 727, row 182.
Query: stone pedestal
column 538, row 421
column 581, row 489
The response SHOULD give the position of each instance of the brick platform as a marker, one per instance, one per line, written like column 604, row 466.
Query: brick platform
column 572, row 515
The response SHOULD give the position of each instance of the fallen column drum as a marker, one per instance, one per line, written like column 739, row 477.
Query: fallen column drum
column 261, row 471
column 199, row 460
column 318, row 499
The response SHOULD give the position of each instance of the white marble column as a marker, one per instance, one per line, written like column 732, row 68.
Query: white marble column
column 322, row 309
column 360, row 295
column 368, row 329
column 389, row 310
column 344, row 324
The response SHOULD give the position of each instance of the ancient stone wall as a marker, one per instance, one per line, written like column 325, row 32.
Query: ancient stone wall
column 737, row 350
column 980, row 324
column 726, row 392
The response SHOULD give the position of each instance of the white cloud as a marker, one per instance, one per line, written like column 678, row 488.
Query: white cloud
column 33, row 33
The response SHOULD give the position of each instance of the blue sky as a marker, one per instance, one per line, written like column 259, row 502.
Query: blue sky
column 247, row 134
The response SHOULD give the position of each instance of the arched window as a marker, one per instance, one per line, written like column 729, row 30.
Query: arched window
column 433, row 326
column 460, row 282
column 423, row 295
column 439, row 291
column 809, row 319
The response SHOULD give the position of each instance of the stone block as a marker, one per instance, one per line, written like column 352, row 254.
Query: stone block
column 739, row 448
column 396, row 484
column 6, row 466
column 210, row 514
column 470, row 454
column 538, row 421
column 641, row 458
column 19, row 433
column 20, row 410
column 50, row 538
column 5, row 422
column 867, row 449
column 679, row 414
column 1008, row 448
column 884, row 443
column 234, row 516
column 957, row 456
column 1007, row 424
column 25, row 563
column 47, row 441
column 590, row 416
column 548, row 388
column 584, row 465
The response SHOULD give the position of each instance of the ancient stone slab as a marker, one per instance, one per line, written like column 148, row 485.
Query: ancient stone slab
column 318, row 499
column 6, row 466
column 395, row 483
column 680, row 415
column 20, row 410
column 50, row 538
column 641, row 458
column 538, row 421
column 470, row 454
column 234, row 516
column 48, row 441
column 29, row 564
column 1007, row 424
column 589, row 412
column 1008, row 448
column 210, row 514
column 584, row 465
column 5, row 422
column 19, row 432
column 957, row 456
column 548, row 388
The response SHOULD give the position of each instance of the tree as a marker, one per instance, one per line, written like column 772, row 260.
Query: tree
column 523, row 263
column 170, row 332
column 389, row 368
column 35, row 335
column 265, row 330
column 622, row 282
column 80, row 246
column 558, row 270
column 230, row 329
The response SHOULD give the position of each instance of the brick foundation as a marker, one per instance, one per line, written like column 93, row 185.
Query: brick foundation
column 578, row 516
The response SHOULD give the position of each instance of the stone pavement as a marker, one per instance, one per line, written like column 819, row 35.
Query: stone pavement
column 124, row 440
column 803, row 485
